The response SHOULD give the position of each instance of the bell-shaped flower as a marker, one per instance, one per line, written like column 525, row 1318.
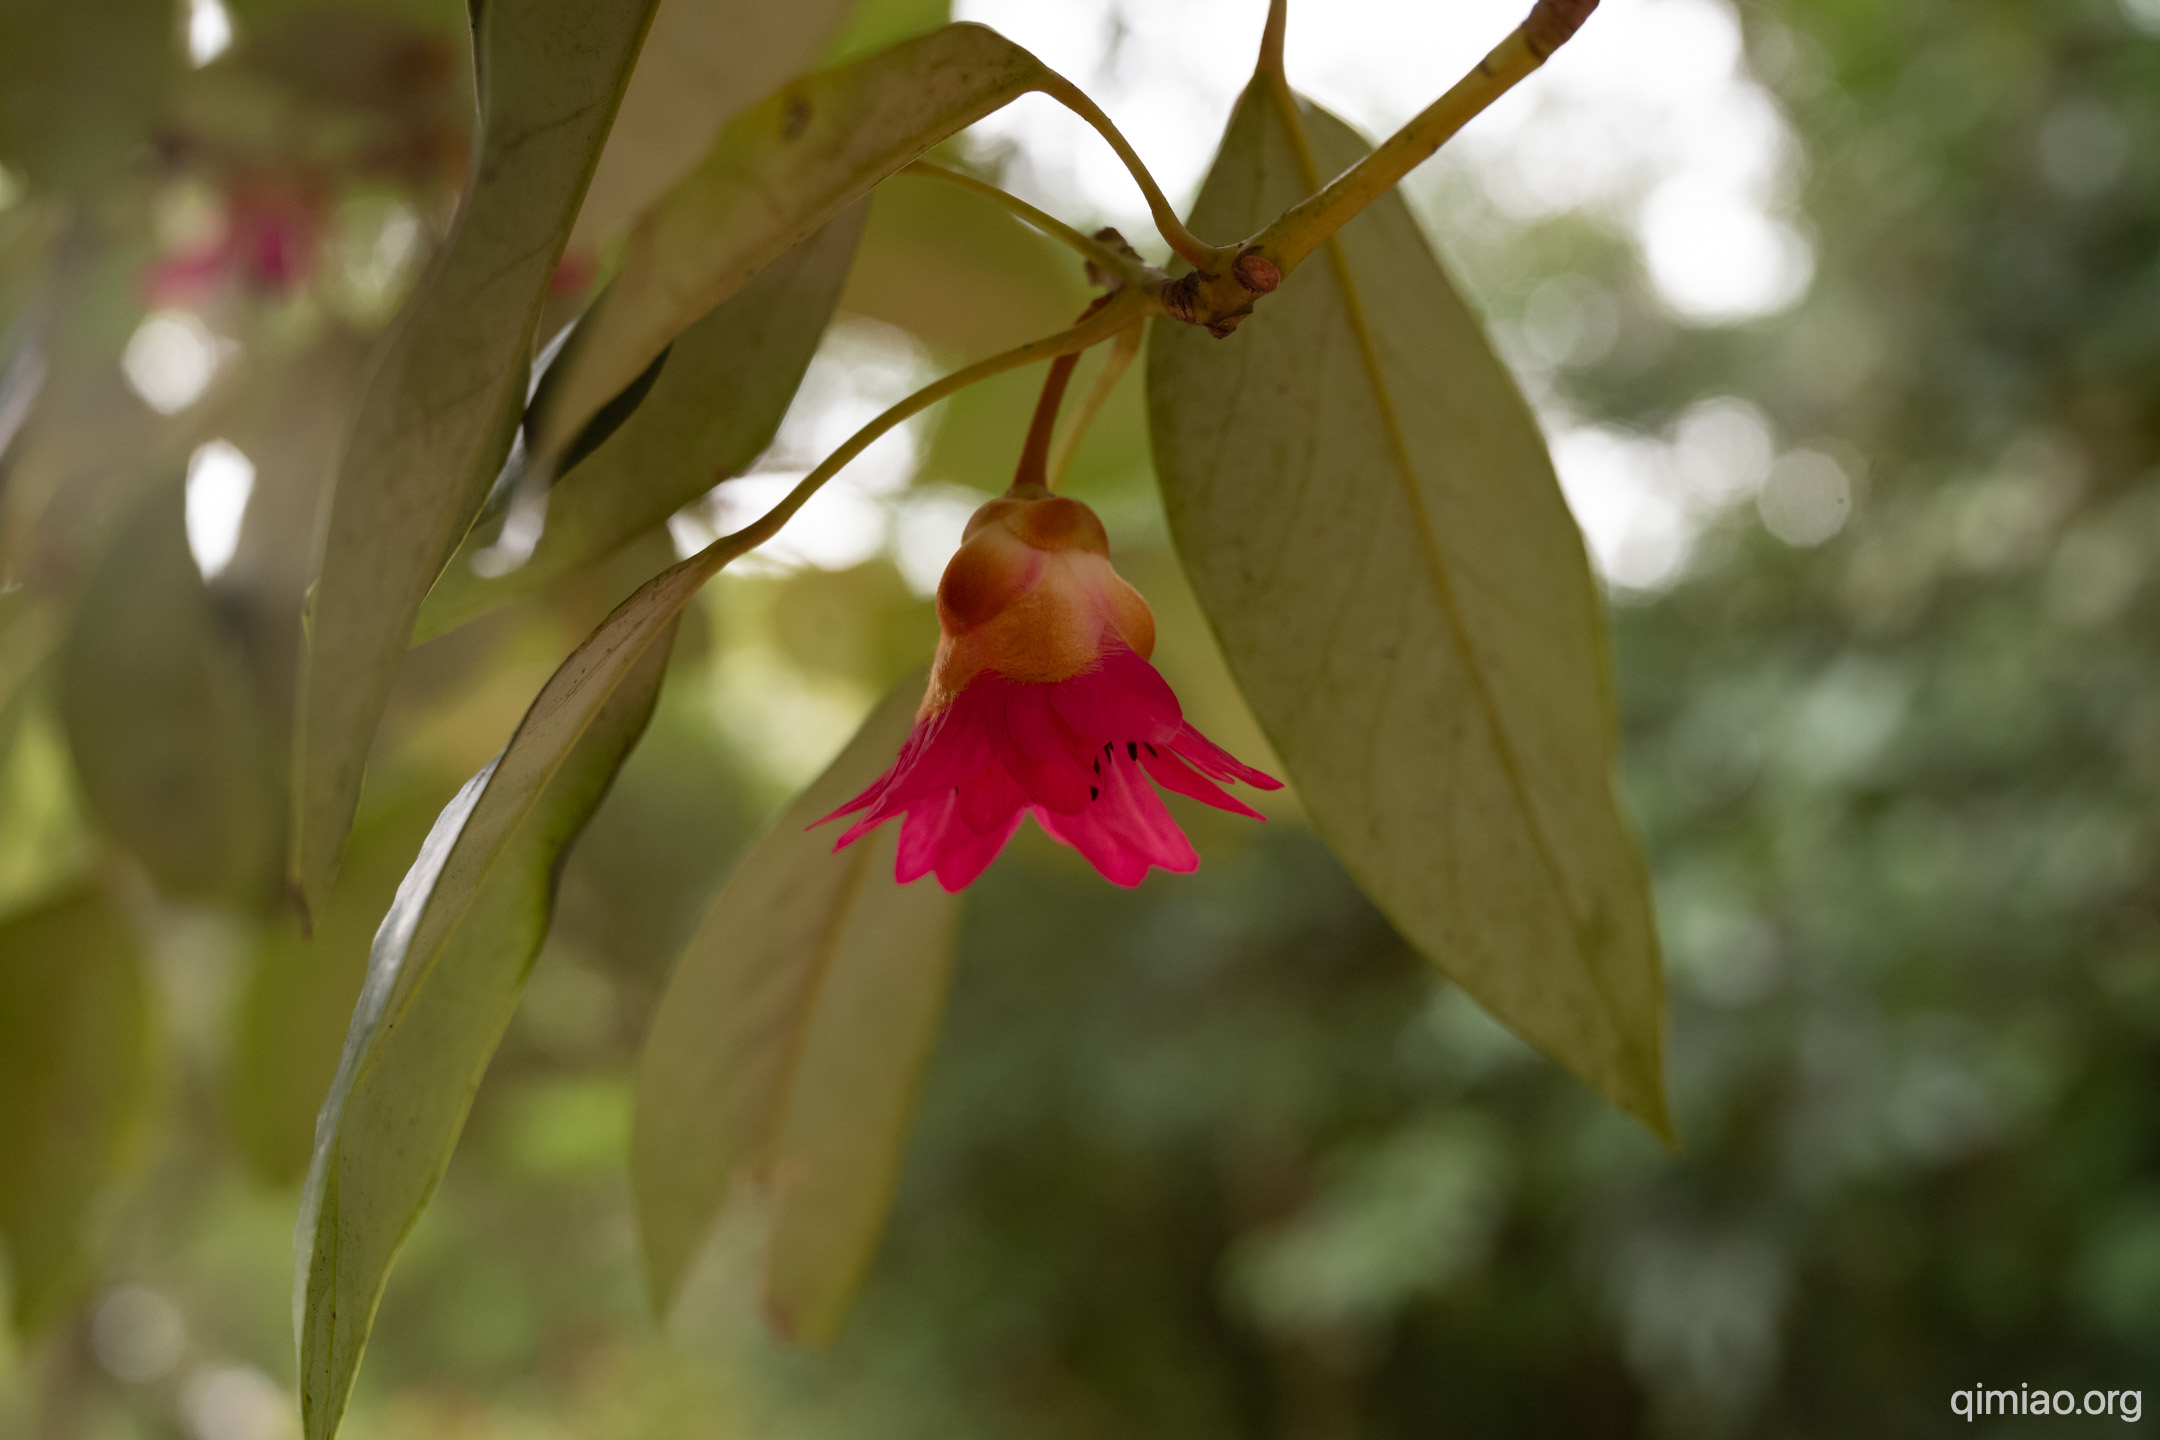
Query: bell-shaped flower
column 1042, row 702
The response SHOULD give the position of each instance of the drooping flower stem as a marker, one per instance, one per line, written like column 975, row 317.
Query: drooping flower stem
column 1116, row 312
column 1122, row 351
column 1105, row 258
column 1033, row 469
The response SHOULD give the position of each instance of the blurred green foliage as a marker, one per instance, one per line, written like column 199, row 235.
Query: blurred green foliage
column 1219, row 1157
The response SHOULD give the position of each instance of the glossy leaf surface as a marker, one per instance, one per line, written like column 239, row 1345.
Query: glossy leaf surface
column 444, row 975
column 1370, row 519
column 786, row 1049
column 716, row 404
column 74, row 1078
column 435, row 424
column 777, row 172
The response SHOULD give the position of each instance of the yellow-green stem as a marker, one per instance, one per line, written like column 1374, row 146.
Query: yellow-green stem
column 1126, row 308
column 1109, row 261
column 1202, row 255
column 1300, row 230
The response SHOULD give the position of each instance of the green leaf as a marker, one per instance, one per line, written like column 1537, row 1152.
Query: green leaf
column 703, row 61
column 1369, row 517
column 80, row 87
column 299, row 999
column 435, row 424
column 74, row 1082
column 778, row 172
column 961, row 273
column 444, row 976
column 163, row 719
column 786, row 1049
column 715, row 407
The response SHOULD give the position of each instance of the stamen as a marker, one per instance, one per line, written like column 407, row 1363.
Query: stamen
column 1093, row 793
column 1132, row 751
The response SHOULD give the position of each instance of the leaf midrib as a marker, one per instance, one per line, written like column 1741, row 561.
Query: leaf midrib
column 1406, row 473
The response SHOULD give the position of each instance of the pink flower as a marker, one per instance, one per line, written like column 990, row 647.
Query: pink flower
column 1042, row 702
column 267, row 240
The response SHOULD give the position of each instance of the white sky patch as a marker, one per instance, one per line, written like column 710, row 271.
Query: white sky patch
column 1715, row 257
column 1652, row 94
column 219, row 481
column 171, row 359
column 1806, row 499
column 209, row 31
column 237, row 1402
column 1643, row 500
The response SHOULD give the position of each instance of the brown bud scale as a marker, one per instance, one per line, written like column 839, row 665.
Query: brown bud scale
column 1552, row 22
column 1179, row 297
column 1257, row 273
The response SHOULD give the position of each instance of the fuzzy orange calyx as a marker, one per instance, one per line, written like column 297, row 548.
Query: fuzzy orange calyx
column 1032, row 596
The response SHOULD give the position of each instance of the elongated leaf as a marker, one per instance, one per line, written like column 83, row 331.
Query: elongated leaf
column 299, row 999
column 786, row 1048
column 443, row 977
column 1372, row 524
column 716, row 405
column 445, row 972
column 703, row 61
column 74, row 1078
column 778, row 171
column 163, row 718
column 431, row 433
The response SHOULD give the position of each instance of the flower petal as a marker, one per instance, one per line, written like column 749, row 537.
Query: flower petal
column 923, row 837
column 1211, row 759
column 989, row 798
column 967, row 855
column 1126, row 831
column 1044, row 755
column 1174, row 774
column 1122, row 698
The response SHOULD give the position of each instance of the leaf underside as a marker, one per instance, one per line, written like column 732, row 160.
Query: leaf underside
column 74, row 1082
column 434, row 426
column 717, row 404
column 445, row 973
column 785, row 1051
column 1367, row 511
column 778, row 172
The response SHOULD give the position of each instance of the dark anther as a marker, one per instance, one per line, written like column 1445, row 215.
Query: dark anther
column 1132, row 751
column 1093, row 793
column 795, row 119
column 1152, row 750
column 1109, row 749
column 1179, row 297
column 1098, row 767
column 1256, row 272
